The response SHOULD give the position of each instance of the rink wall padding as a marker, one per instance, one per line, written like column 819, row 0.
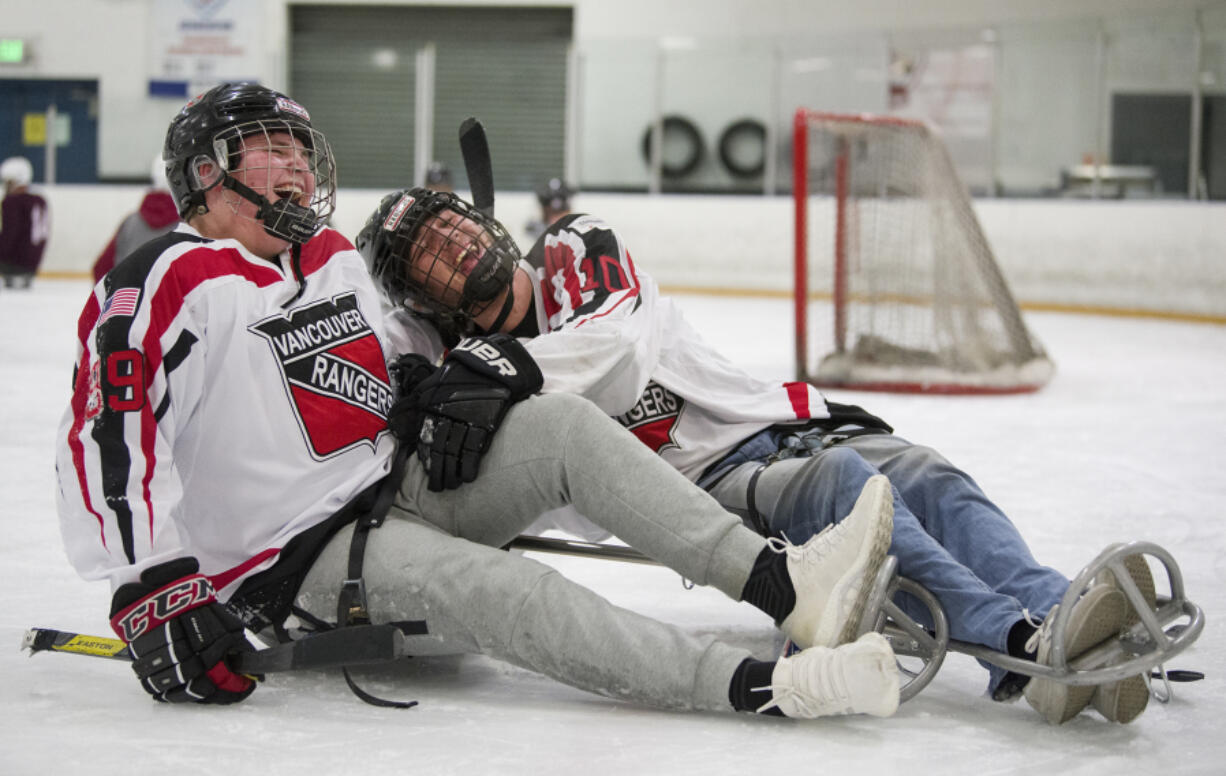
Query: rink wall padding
column 1148, row 257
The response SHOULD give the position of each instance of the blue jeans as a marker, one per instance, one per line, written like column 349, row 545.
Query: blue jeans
column 948, row 536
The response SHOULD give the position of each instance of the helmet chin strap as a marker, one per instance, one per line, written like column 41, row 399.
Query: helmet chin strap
column 301, row 222
column 507, row 304
column 283, row 218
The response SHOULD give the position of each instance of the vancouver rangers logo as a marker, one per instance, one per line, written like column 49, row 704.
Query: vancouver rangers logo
column 654, row 417
column 334, row 373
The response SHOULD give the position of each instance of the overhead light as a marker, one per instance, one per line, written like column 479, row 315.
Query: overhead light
column 811, row 65
column 384, row 58
column 678, row 43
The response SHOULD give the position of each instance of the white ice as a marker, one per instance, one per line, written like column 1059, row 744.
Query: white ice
column 1124, row 444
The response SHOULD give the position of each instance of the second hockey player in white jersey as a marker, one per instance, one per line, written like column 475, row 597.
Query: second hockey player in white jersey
column 780, row 454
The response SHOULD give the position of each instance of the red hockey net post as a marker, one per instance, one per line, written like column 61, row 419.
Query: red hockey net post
column 886, row 232
column 800, row 264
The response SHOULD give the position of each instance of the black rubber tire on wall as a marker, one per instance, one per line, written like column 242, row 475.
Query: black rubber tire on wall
column 734, row 133
column 683, row 126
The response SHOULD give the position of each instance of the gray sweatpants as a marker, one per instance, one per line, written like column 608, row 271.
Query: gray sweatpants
column 435, row 559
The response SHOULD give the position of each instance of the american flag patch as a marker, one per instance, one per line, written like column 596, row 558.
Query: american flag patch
column 122, row 302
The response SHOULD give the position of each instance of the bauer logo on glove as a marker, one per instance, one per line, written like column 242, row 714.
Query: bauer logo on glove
column 492, row 356
column 452, row 414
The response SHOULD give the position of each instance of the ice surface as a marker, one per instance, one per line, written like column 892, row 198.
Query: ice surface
column 1124, row 444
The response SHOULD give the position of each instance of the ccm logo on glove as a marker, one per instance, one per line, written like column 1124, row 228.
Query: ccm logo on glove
column 166, row 604
column 180, row 636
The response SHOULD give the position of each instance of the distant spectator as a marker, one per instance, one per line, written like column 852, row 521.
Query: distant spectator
column 156, row 215
column 438, row 177
column 554, row 197
column 24, row 224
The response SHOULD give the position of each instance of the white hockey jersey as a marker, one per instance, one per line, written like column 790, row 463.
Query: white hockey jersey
column 609, row 335
column 216, row 411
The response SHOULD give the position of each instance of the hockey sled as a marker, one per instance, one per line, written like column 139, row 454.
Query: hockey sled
column 921, row 648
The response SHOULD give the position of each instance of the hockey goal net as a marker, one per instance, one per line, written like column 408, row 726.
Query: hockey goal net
column 896, row 287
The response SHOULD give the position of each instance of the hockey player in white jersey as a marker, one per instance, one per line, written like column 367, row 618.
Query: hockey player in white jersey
column 781, row 455
column 229, row 425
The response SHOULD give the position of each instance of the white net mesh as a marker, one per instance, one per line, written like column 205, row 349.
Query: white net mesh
column 918, row 301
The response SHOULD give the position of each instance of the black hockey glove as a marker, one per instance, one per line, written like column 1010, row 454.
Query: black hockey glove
column 179, row 635
column 458, row 408
column 842, row 414
column 404, row 418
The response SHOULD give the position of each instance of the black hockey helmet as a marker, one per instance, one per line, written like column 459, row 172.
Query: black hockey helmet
column 554, row 194
column 207, row 134
column 434, row 252
column 438, row 177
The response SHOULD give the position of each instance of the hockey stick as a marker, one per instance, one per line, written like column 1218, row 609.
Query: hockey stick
column 480, row 170
column 349, row 646
column 352, row 645
column 579, row 549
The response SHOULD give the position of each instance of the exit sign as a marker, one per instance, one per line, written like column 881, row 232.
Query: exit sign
column 12, row 51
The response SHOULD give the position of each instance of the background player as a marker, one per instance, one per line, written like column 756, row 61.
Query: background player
column 439, row 178
column 156, row 215
column 24, row 224
column 554, row 198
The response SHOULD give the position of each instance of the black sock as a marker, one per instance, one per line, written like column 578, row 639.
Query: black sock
column 1012, row 684
column 1019, row 634
column 748, row 675
column 769, row 587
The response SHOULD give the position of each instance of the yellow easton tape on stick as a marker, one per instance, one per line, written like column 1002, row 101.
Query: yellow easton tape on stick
column 93, row 645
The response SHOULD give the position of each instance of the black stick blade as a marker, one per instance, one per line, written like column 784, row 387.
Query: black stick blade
column 476, row 152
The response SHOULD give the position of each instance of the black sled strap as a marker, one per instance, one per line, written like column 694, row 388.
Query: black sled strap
column 751, row 503
column 351, row 606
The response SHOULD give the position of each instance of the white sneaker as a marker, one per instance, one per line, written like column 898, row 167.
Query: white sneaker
column 857, row 678
column 833, row 572
column 1098, row 615
column 1123, row 701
